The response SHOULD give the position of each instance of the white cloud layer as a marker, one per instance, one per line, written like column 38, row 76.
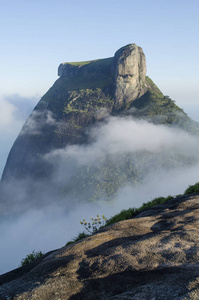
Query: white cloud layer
column 127, row 135
column 49, row 221
column 14, row 109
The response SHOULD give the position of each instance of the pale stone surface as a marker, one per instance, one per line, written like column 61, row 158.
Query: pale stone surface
column 128, row 67
column 153, row 256
column 129, row 73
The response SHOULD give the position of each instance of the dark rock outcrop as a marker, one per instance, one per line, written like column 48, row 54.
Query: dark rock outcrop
column 152, row 256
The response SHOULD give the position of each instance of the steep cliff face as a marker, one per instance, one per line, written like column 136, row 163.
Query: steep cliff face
column 83, row 96
column 129, row 75
column 128, row 70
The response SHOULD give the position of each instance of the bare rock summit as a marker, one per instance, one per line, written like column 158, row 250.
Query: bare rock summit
column 128, row 68
column 130, row 74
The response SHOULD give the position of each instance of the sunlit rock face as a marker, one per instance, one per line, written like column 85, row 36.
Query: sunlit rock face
column 152, row 256
column 128, row 68
column 129, row 74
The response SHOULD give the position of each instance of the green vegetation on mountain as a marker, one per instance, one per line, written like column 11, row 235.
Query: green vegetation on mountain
column 133, row 212
column 95, row 224
column 93, row 64
column 87, row 99
column 161, row 109
column 31, row 257
column 148, row 256
column 103, row 178
column 130, row 213
column 81, row 98
column 92, row 89
column 192, row 189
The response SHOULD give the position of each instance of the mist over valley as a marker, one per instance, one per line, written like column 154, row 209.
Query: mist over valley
column 102, row 139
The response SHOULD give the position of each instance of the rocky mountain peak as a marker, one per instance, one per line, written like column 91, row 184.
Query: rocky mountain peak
column 129, row 74
column 84, row 95
column 127, row 67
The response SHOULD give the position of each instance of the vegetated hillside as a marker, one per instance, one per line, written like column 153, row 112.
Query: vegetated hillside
column 151, row 256
column 81, row 98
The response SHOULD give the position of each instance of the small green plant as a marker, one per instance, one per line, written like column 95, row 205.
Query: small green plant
column 126, row 214
column 31, row 257
column 80, row 236
column 95, row 223
column 192, row 189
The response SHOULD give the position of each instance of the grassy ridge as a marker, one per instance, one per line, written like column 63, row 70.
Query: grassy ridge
column 123, row 215
column 133, row 212
column 161, row 109
column 95, row 63
column 79, row 63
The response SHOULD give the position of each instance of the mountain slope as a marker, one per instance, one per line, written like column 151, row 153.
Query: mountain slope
column 81, row 99
column 152, row 256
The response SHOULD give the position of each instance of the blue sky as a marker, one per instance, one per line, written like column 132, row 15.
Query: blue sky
column 36, row 36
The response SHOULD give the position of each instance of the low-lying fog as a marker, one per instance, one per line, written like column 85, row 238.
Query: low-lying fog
column 49, row 220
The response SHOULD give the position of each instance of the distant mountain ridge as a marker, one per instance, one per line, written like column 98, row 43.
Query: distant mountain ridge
column 83, row 96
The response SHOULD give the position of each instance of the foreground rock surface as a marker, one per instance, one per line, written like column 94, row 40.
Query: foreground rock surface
column 153, row 256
